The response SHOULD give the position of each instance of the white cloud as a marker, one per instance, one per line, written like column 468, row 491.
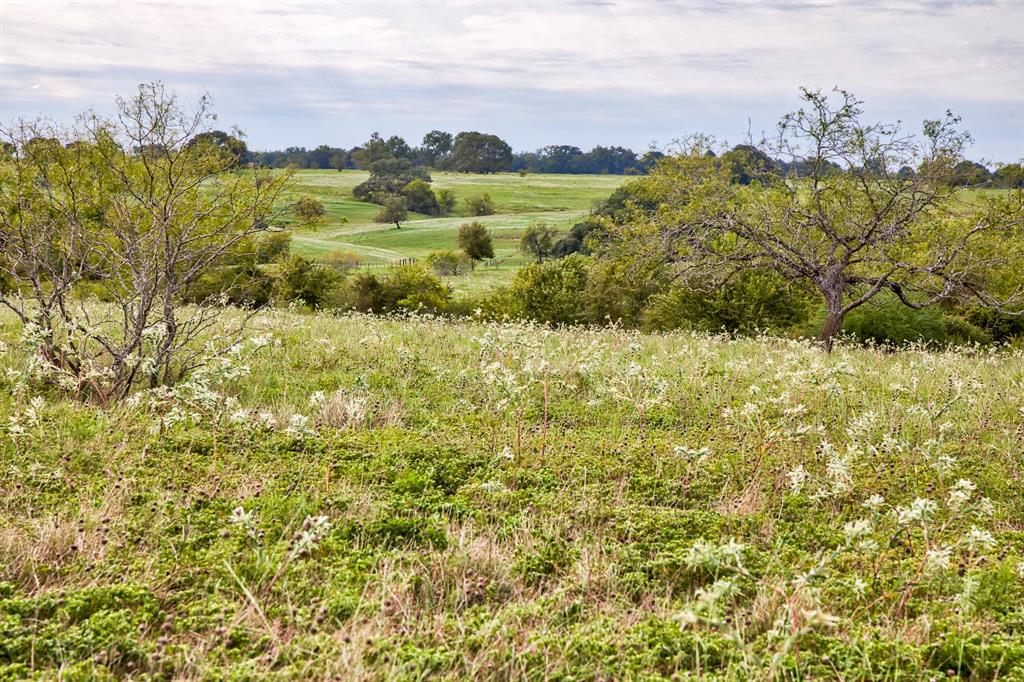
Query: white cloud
column 955, row 52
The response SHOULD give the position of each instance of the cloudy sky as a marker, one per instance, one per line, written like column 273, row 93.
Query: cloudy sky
column 601, row 72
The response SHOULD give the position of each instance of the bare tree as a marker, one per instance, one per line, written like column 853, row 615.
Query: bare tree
column 132, row 209
column 842, row 217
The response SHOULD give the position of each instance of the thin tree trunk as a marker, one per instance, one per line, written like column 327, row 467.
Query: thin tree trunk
column 833, row 323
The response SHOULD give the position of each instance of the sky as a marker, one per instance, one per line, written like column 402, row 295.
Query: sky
column 610, row 72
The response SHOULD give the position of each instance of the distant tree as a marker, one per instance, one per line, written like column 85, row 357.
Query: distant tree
column 393, row 210
column 1010, row 175
column 340, row 160
column 374, row 149
column 538, row 240
column 436, row 145
column 308, row 210
column 648, row 161
column 475, row 240
column 576, row 240
column 747, row 163
column 480, row 204
column 970, row 173
column 474, row 152
column 388, row 176
column 420, row 198
column 446, row 200
column 231, row 145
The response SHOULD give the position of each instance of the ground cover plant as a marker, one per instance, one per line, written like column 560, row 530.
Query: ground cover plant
column 351, row 497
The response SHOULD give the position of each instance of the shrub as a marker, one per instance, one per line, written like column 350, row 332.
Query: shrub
column 300, row 279
column 576, row 240
column 308, row 210
column 342, row 261
column 420, row 198
column 446, row 200
column 447, row 263
column 409, row 287
column 475, row 240
column 891, row 322
column 551, row 292
column 481, row 204
column 273, row 246
column 241, row 285
column 751, row 301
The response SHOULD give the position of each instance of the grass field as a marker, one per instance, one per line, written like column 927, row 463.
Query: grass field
column 369, row 499
column 558, row 200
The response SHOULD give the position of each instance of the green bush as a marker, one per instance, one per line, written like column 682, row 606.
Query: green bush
column 551, row 292
column 420, row 198
column 448, row 263
column 300, row 279
column 891, row 322
column 406, row 288
column 481, row 204
column 241, row 285
column 308, row 210
column 749, row 302
column 446, row 200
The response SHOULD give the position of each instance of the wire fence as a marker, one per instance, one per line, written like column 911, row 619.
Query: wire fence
column 391, row 264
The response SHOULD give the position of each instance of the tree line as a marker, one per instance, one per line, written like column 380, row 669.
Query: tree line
column 474, row 152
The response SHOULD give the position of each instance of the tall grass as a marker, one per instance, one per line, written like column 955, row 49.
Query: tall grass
column 364, row 498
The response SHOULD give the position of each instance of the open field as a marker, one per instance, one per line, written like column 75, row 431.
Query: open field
column 559, row 200
column 409, row 499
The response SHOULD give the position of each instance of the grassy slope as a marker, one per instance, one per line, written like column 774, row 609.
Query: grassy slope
column 558, row 200
column 458, row 548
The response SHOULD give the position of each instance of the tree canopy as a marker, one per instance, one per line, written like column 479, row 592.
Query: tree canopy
column 847, row 234
column 474, row 152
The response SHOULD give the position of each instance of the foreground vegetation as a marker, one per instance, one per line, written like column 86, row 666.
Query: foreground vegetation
column 364, row 498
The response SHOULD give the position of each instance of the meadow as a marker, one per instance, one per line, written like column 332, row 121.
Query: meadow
column 558, row 200
column 350, row 497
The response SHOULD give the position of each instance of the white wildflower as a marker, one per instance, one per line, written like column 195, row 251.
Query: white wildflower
column 854, row 530
column 797, row 478
column 938, row 559
column 978, row 538
column 919, row 511
column 961, row 493
column 874, row 503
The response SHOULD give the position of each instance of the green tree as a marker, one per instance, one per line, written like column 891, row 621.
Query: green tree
column 393, row 209
column 970, row 173
column 388, row 176
column 436, row 146
column 474, row 152
column 127, row 204
column 475, row 240
column 1010, row 175
column 421, row 198
column 848, row 235
column 538, row 240
column 232, row 146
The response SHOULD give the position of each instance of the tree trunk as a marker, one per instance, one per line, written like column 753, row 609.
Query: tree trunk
column 833, row 323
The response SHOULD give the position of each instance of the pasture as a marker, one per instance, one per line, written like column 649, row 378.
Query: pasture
column 558, row 200
column 369, row 498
